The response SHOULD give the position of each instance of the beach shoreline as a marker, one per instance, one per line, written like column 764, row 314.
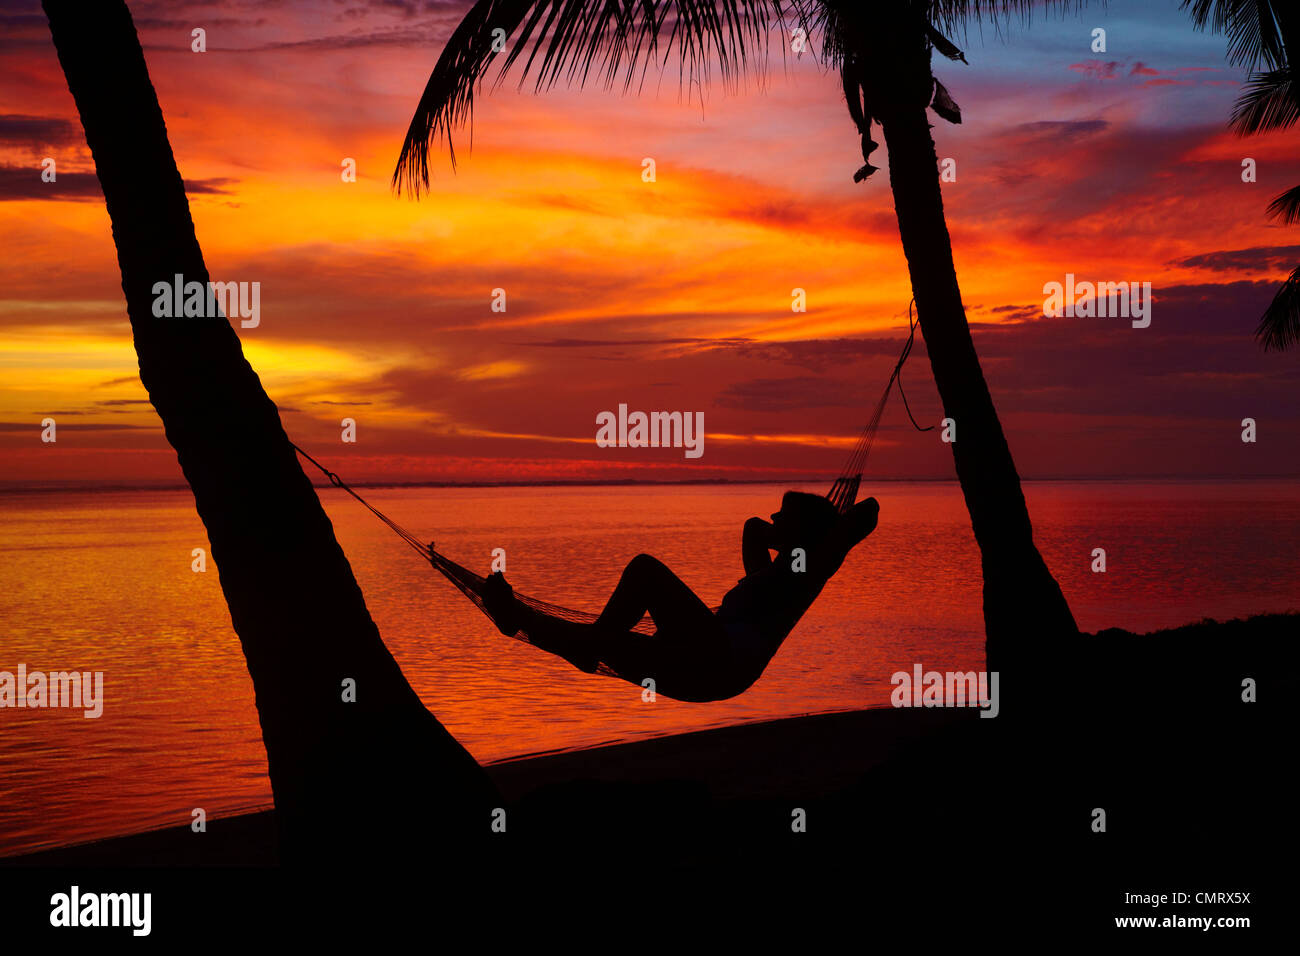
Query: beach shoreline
column 819, row 754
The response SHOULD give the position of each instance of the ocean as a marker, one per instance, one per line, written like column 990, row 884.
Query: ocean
column 102, row 581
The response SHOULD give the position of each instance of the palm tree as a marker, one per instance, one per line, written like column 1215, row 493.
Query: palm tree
column 883, row 51
column 1264, row 33
column 345, row 776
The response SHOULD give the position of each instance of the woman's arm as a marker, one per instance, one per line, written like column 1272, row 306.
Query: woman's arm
column 755, row 544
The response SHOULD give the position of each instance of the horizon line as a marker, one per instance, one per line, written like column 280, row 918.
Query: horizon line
column 72, row 486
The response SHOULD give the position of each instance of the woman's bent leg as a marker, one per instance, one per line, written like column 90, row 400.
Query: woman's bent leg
column 686, row 657
column 647, row 585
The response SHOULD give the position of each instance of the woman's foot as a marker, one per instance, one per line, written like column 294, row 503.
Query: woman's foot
column 499, row 601
column 503, row 607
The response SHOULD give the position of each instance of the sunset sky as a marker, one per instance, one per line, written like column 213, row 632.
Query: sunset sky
column 672, row 295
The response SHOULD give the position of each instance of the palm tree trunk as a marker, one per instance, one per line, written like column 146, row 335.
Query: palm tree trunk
column 345, row 775
column 1025, row 613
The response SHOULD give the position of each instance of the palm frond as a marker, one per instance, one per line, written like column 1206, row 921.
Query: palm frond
column 944, row 45
column 1251, row 27
column 1280, row 327
column 1286, row 206
column 571, row 40
column 1269, row 101
column 944, row 104
column 574, row 40
column 957, row 15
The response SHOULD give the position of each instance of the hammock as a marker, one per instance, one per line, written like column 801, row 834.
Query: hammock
column 842, row 495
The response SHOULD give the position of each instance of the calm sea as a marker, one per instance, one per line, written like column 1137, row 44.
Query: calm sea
column 102, row 581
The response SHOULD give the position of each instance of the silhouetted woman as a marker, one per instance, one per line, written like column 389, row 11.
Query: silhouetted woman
column 696, row 654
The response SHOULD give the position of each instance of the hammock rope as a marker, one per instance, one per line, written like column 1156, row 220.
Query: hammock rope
column 338, row 482
column 842, row 495
column 844, row 491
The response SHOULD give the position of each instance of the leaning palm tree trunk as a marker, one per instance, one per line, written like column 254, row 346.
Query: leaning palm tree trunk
column 339, row 771
column 1026, row 616
column 1023, row 605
